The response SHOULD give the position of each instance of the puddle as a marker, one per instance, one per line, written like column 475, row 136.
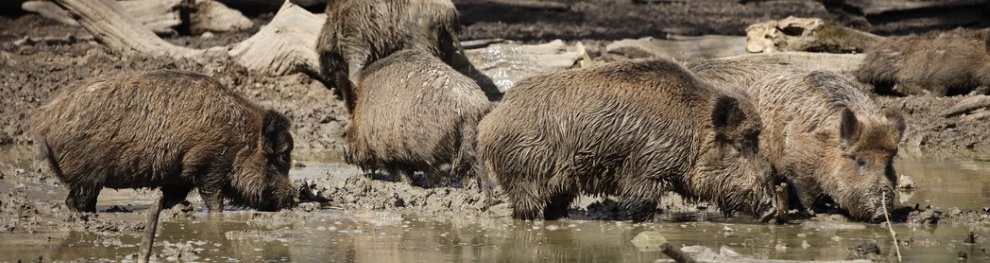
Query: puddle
column 369, row 236
column 385, row 237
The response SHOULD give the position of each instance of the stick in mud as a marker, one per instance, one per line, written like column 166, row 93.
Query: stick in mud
column 148, row 239
column 891, row 228
column 781, row 197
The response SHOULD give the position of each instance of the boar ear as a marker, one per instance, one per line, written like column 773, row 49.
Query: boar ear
column 848, row 128
column 727, row 117
column 897, row 120
column 274, row 131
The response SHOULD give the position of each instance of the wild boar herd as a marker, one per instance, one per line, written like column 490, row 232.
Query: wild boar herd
column 718, row 131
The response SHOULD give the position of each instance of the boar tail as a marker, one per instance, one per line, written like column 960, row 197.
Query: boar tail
column 45, row 155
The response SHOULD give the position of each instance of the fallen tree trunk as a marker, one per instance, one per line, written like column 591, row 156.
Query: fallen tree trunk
column 284, row 45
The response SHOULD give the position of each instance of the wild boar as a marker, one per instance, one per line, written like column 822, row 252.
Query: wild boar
column 950, row 63
column 633, row 130
column 357, row 33
column 825, row 136
column 415, row 113
column 169, row 129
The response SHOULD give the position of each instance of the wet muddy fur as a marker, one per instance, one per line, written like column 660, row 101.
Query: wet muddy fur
column 949, row 63
column 827, row 137
column 633, row 130
column 169, row 129
column 415, row 113
column 360, row 32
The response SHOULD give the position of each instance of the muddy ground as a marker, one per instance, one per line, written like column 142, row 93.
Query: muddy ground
column 31, row 74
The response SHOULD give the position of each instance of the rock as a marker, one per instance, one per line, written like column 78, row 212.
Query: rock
column 905, row 183
column 212, row 16
column 864, row 250
column 206, row 35
column 649, row 241
column 928, row 216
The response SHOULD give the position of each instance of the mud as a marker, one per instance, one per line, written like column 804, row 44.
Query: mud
column 374, row 220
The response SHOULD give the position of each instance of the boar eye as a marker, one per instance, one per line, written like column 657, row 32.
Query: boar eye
column 860, row 161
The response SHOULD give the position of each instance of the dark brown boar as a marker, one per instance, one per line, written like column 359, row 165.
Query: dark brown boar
column 168, row 129
column 949, row 63
column 820, row 132
column 415, row 113
column 359, row 32
column 633, row 130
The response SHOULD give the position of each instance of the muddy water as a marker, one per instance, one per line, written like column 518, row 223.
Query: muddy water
column 372, row 236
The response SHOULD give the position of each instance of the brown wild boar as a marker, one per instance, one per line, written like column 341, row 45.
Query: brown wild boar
column 415, row 113
column 359, row 32
column 169, row 129
column 821, row 133
column 950, row 63
column 633, row 130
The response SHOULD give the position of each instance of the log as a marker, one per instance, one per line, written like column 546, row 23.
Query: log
column 110, row 23
column 967, row 105
column 161, row 16
column 287, row 44
column 507, row 63
column 679, row 48
column 49, row 10
column 844, row 63
column 806, row 34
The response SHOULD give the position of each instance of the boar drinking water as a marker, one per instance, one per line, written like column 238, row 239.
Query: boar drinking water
column 168, row 129
column 359, row 32
column 415, row 113
column 820, row 132
column 633, row 130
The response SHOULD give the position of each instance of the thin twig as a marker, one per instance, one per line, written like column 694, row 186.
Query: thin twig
column 883, row 203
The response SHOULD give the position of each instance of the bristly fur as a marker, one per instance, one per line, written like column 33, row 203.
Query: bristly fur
column 817, row 126
column 415, row 113
column 169, row 129
column 947, row 63
column 634, row 130
column 360, row 32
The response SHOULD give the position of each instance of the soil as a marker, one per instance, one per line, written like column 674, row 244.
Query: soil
column 31, row 74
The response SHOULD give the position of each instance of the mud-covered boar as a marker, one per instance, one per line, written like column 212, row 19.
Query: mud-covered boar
column 168, row 129
column 415, row 113
column 633, row 130
column 824, row 135
column 360, row 32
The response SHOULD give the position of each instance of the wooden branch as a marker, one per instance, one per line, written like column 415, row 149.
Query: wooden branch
column 112, row 26
column 287, row 44
column 967, row 105
column 150, row 227
column 49, row 10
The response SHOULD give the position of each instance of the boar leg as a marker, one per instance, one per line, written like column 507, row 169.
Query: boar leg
column 525, row 205
column 402, row 175
column 557, row 206
column 174, row 195
column 82, row 198
column 637, row 206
